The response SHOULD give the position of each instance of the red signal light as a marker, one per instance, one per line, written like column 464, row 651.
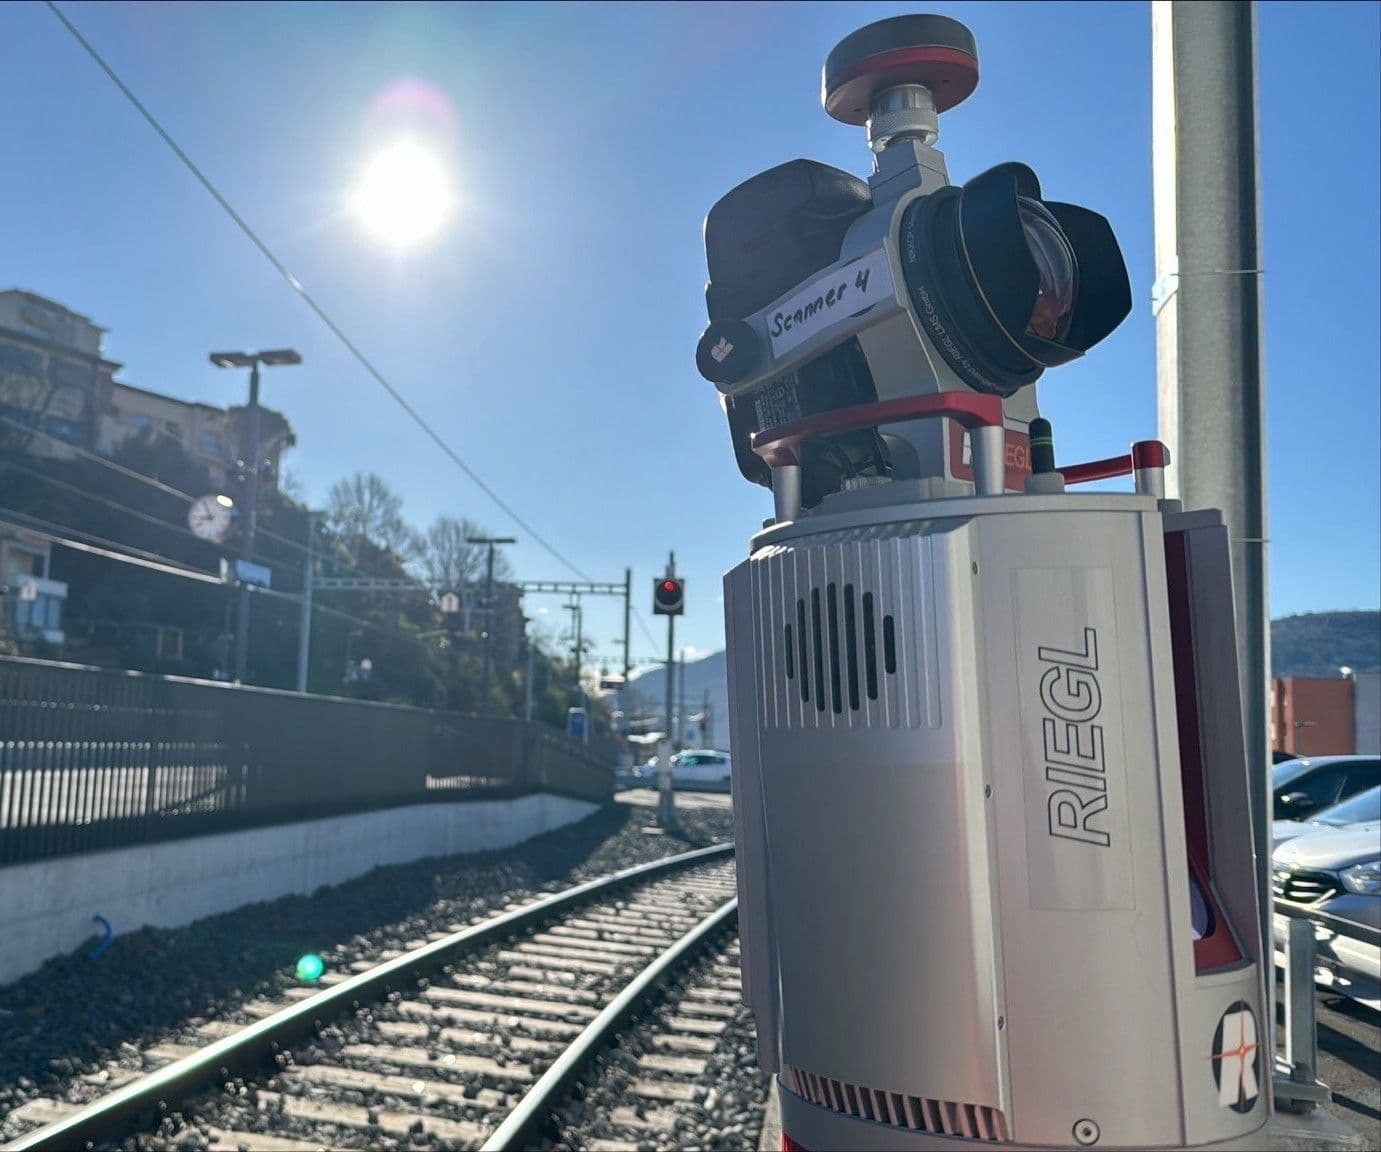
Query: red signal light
column 668, row 596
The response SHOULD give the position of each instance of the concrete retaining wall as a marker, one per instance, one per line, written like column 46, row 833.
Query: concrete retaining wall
column 47, row 907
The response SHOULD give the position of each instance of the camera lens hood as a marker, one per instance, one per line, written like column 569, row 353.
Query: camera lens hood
column 974, row 283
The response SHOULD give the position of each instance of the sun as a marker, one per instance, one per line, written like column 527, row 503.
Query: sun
column 405, row 196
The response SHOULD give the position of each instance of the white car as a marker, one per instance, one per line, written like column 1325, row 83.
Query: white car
column 701, row 768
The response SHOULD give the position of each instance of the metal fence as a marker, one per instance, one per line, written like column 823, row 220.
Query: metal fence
column 93, row 759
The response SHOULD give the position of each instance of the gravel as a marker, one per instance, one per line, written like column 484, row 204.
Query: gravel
column 79, row 1016
column 728, row 1116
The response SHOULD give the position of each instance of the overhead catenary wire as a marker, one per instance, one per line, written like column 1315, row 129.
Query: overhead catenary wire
column 9, row 462
column 85, row 453
column 307, row 298
column 110, row 550
column 642, row 623
column 151, row 481
column 133, row 474
column 42, row 527
column 105, row 502
column 169, row 567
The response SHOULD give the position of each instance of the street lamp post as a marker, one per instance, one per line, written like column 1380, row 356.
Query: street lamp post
column 273, row 357
column 491, row 542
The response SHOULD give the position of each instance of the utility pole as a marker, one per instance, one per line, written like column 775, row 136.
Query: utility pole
column 527, row 679
column 627, row 622
column 304, row 625
column 627, row 639
column 578, row 640
column 671, row 650
column 1207, row 303
column 491, row 542
column 681, row 699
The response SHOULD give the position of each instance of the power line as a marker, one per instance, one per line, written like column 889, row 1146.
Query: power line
column 638, row 616
column 152, row 482
column 109, row 463
column 307, row 298
column 170, row 567
column 94, row 498
column 132, row 474
column 42, row 527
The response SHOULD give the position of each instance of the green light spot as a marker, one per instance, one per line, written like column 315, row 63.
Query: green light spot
column 310, row 967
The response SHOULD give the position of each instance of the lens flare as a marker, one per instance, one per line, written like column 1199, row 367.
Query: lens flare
column 310, row 968
column 1054, row 306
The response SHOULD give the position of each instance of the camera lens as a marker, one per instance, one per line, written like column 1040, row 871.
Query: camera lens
column 1049, row 247
column 1006, row 284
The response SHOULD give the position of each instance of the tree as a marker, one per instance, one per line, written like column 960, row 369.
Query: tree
column 364, row 508
column 448, row 561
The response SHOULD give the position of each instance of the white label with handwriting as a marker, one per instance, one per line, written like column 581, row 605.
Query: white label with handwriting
column 830, row 298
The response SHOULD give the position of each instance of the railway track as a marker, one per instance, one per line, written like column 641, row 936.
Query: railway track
column 473, row 1040
column 685, row 1075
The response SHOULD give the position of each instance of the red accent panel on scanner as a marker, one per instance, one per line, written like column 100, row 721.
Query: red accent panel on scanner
column 1219, row 948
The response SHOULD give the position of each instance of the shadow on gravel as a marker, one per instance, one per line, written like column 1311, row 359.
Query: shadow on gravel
column 74, row 1014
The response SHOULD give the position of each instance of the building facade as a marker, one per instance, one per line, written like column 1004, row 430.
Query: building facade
column 1327, row 716
column 32, row 603
column 59, row 398
column 54, row 379
column 216, row 438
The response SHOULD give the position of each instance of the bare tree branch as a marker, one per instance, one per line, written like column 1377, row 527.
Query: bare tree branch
column 365, row 507
column 449, row 562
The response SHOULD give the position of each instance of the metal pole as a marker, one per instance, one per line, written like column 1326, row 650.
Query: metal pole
column 1301, row 1025
column 488, row 631
column 681, row 697
column 527, row 683
column 671, row 651
column 304, row 625
column 579, row 643
column 251, row 521
column 1208, row 327
column 627, row 622
column 624, row 696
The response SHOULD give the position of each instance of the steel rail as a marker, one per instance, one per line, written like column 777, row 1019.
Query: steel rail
column 520, row 1126
column 114, row 1116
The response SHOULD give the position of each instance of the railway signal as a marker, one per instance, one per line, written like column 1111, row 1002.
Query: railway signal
column 668, row 596
column 991, row 799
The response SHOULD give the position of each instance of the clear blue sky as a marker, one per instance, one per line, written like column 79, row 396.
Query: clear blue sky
column 550, row 333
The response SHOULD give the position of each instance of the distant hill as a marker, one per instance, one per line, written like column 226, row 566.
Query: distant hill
column 709, row 674
column 1319, row 643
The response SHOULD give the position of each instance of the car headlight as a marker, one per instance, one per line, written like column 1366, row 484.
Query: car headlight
column 1364, row 878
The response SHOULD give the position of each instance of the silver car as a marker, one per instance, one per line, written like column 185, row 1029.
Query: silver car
column 1337, row 872
column 1364, row 808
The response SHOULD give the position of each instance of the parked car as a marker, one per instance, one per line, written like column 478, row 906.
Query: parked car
column 636, row 775
column 1364, row 808
column 1336, row 871
column 1310, row 784
column 701, row 768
